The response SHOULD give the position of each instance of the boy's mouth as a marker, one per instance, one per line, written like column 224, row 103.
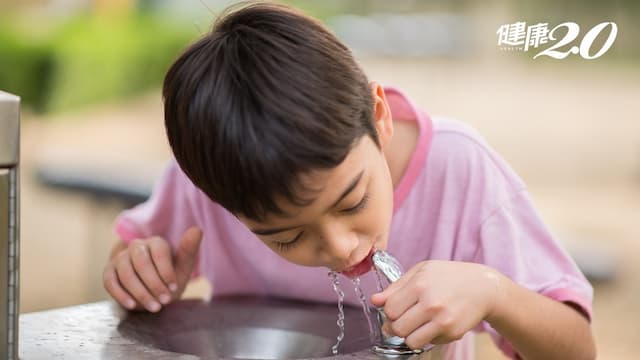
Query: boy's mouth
column 361, row 268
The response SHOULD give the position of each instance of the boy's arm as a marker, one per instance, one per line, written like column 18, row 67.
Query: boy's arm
column 437, row 302
column 539, row 286
column 539, row 327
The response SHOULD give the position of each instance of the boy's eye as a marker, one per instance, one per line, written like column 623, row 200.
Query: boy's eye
column 286, row 245
column 358, row 207
column 283, row 246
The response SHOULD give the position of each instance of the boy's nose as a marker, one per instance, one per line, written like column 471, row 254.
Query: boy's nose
column 339, row 246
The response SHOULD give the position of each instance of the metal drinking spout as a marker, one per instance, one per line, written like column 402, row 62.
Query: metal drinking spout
column 390, row 268
column 387, row 265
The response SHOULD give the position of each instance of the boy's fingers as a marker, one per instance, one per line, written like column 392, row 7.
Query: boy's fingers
column 379, row 299
column 396, row 306
column 143, row 265
column 410, row 320
column 162, row 259
column 113, row 287
column 132, row 284
column 425, row 334
column 186, row 254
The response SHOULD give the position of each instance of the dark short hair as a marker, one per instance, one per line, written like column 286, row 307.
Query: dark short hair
column 269, row 94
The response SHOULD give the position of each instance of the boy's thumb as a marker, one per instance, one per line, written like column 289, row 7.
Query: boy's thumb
column 187, row 252
column 378, row 299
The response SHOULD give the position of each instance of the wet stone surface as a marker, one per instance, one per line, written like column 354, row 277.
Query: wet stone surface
column 263, row 328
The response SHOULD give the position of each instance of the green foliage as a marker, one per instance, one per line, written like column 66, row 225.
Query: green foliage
column 25, row 67
column 110, row 58
column 89, row 59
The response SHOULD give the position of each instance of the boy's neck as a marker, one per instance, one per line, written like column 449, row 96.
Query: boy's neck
column 401, row 148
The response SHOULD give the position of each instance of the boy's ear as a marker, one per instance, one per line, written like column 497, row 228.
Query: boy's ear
column 381, row 114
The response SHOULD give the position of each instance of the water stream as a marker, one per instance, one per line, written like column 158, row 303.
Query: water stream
column 373, row 333
column 336, row 287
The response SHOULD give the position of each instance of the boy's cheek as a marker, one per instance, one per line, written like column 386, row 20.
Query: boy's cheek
column 300, row 255
column 382, row 242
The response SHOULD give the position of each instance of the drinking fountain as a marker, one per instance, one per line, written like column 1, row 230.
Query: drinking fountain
column 232, row 327
column 9, row 237
column 245, row 327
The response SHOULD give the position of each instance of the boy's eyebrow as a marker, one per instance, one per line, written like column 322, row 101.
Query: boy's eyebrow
column 347, row 191
column 271, row 231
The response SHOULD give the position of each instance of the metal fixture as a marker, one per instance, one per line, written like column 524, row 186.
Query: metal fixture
column 390, row 268
column 9, row 237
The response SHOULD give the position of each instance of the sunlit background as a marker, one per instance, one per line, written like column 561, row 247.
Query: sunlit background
column 93, row 143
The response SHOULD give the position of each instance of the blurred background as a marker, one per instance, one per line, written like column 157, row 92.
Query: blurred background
column 93, row 142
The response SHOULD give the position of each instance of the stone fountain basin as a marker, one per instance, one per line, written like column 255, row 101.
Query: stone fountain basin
column 223, row 328
column 249, row 328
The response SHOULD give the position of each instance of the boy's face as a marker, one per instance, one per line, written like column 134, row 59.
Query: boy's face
column 351, row 211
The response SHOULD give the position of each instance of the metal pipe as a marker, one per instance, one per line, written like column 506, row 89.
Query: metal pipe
column 390, row 268
column 9, row 225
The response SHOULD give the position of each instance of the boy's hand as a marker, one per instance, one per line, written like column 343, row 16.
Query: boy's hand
column 146, row 275
column 437, row 302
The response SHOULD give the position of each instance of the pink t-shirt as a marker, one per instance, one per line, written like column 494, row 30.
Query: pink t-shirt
column 458, row 200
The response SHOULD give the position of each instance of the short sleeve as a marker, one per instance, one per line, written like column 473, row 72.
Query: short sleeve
column 486, row 208
column 515, row 241
column 168, row 213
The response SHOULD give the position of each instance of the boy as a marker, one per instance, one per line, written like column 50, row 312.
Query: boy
column 280, row 138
